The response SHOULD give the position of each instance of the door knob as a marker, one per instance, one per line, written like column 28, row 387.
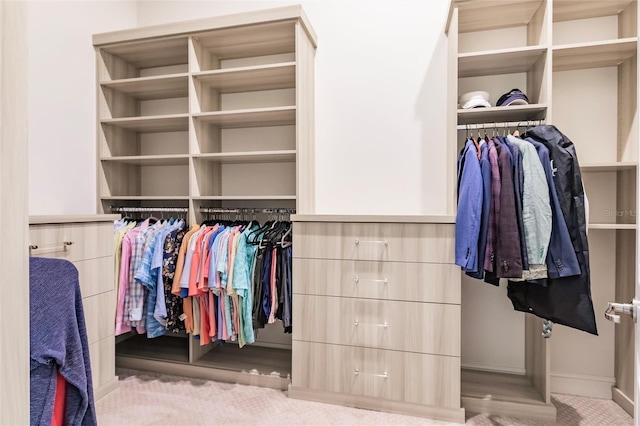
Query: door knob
column 613, row 309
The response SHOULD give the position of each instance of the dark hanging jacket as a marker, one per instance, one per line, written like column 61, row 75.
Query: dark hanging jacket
column 565, row 300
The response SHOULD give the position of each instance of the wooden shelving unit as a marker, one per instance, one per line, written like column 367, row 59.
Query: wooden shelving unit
column 186, row 114
column 579, row 80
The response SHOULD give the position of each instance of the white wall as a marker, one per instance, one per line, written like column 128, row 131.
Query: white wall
column 61, row 97
column 380, row 98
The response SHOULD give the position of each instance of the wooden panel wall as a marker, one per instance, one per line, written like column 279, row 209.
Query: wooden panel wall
column 14, row 310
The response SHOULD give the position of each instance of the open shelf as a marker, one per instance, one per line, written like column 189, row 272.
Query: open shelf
column 250, row 157
column 253, row 359
column 502, row 394
column 609, row 167
column 482, row 15
column 244, row 197
column 503, row 113
column 151, row 160
column 613, row 226
column 152, row 53
column 257, row 40
column 593, row 54
column 151, row 124
column 569, row 10
column 256, row 117
column 502, row 61
column 150, row 88
column 166, row 348
column 249, row 79
column 146, row 197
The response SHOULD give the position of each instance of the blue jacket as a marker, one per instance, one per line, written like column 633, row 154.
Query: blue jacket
column 561, row 257
column 485, row 170
column 468, row 218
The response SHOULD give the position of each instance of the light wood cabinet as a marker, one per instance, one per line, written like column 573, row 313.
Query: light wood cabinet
column 87, row 241
column 210, row 113
column 377, row 314
column 577, row 62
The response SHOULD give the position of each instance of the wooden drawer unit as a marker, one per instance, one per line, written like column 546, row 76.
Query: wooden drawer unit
column 376, row 312
column 87, row 241
column 430, row 328
column 410, row 281
column 401, row 242
column 71, row 241
column 99, row 314
column 390, row 375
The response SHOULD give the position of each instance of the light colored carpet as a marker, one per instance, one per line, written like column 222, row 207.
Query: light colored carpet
column 151, row 399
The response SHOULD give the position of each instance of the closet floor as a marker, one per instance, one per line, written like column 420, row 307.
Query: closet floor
column 154, row 399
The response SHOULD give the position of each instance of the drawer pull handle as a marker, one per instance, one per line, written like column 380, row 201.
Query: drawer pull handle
column 384, row 281
column 384, row 375
column 62, row 246
column 385, row 324
column 385, row 242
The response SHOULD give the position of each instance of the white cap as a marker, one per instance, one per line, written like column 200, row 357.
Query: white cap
column 474, row 100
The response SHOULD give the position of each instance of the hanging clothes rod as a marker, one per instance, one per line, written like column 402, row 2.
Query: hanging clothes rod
column 148, row 209
column 500, row 125
column 244, row 210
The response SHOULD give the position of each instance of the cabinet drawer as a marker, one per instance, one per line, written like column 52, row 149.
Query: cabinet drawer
column 410, row 281
column 95, row 275
column 393, row 375
column 103, row 362
column 99, row 315
column 404, row 242
column 74, row 241
column 403, row 326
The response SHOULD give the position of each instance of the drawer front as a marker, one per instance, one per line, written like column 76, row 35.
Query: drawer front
column 406, row 242
column 99, row 315
column 95, row 275
column 75, row 241
column 403, row 326
column 393, row 375
column 103, row 362
column 410, row 281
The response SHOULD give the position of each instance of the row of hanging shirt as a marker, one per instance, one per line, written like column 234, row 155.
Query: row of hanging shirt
column 518, row 200
column 216, row 281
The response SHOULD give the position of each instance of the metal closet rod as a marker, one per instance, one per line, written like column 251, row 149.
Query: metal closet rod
column 500, row 125
column 149, row 209
column 245, row 210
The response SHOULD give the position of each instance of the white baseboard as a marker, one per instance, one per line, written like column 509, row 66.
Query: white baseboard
column 582, row 385
column 622, row 400
column 493, row 368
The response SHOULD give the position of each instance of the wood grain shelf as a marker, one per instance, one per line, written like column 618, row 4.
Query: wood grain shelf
column 244, row 197
column 149, row 88
column 258, row 40
column 500, row 114
column 481, row 15
column 250, row 79
column 594, row 55
column 503, row 394
column 613, row 226
column 250, row 157
column 257, row 117
column 503, row 61
column 569, row 10
column 152, row 53
column 609, row 167
column 162, row 348
column 151, row 124
column 150, row 160
column 146, row 197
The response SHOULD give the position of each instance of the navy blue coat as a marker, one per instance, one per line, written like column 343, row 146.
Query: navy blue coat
column 565, row 300
column 468, row 217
